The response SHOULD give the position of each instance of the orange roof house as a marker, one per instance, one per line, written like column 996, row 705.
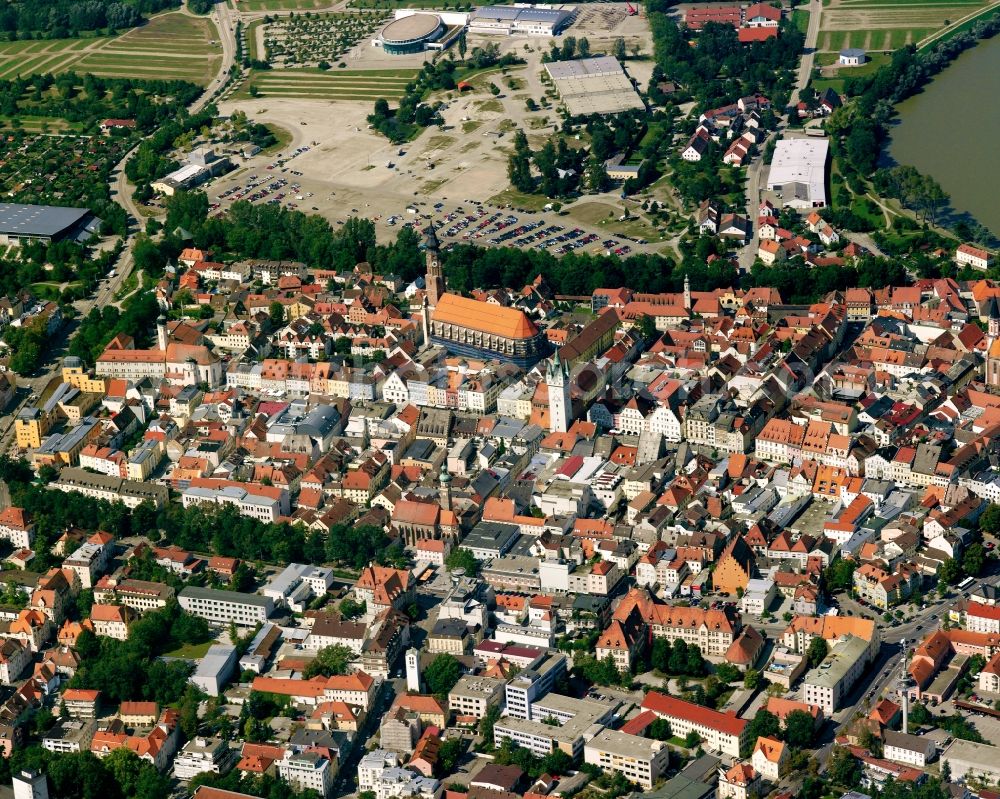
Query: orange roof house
column 735, row 567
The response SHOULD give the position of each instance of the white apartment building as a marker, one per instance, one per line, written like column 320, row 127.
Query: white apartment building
column 202, row 755
column 721, row 732
column 372, row 766
column 307, row 771
column 639, row 760
column 88, row 561
column 379, row 772
column 140, row 595
column 70, row 736
column 831, row 681
column 474, row 696
column 16, row 527
column 15, row 656
column 914, row 750
column 263, row 503
column 222, row 607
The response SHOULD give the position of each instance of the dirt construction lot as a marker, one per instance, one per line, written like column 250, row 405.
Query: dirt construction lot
column 350, row 167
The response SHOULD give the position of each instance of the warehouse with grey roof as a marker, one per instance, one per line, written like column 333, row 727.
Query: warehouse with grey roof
column 594, row 86
column 523, row 20
column 21, row 223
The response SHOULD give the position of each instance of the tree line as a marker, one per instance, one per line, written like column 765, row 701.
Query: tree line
column 208, row 529
column 719, row 69
column 61, row 19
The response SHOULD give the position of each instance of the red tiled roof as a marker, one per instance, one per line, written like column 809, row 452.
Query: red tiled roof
column 669, row 706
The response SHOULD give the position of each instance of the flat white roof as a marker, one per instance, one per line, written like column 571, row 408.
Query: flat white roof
column 800, row 161
column 186, row 172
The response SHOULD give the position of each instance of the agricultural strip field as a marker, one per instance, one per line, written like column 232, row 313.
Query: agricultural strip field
column 169, row 46
column 362, row 85
column 888, row 24
column 250, row 6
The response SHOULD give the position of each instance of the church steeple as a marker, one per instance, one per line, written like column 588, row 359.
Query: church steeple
column 434, row 279
column 560, row 402
column 444, row 487
column 687, row 292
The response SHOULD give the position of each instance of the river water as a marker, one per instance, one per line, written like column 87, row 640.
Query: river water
column 950, row 131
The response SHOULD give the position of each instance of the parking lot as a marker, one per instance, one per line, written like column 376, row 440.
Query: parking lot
column 278, row 183
column 486, row 224
column 265, row 187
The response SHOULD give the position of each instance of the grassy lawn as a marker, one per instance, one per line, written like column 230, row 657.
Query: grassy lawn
column 536, row 123
column 529, row 202
column 283, row 5
column 283, row 136
column 945, row 35
column 432, row 186
column 821, row 84
column 251, row 38
column 604, row 215
column 490, row 106
column 190, row 651
column 361, row 85
column 869, row 211
column 130, row 284
column 593, row 213
column 889, row 24
column 40, row 124
column 437, row 142
column 800, row 19
column 470, row 125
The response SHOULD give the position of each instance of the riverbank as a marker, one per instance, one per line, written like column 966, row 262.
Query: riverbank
column 946, row 131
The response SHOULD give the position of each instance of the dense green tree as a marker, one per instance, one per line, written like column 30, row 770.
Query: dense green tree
column 330, row 661
column 818, row 650
column 974, row 559
column 460, row 558
column 950, row 572
column 800, row 729
column 989, row 521
column 843, row 768
column 764, row 723
column 450, row 755
column 660, row 730
column 839, row 575
column 442, row 674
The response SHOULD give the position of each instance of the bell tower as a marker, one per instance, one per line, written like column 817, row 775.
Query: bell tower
column 993, row 344
column 444, row 487
column 560, row 404
column 434, row 279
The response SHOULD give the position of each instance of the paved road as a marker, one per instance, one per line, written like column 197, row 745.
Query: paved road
column 815, row 9
column 885, row 671
column 225, row 20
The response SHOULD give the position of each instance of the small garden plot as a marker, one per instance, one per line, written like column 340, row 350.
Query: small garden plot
column 308, row 40
column 58, row 170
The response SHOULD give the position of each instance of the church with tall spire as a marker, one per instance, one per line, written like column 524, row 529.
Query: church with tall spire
column 434, row 280
column 560, row 401
column 993, row 344
column 472, row 328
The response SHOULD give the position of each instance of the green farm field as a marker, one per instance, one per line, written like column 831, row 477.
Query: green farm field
column 169, row 46
column 886, row 25
column 360, row 85
column 250, row 6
